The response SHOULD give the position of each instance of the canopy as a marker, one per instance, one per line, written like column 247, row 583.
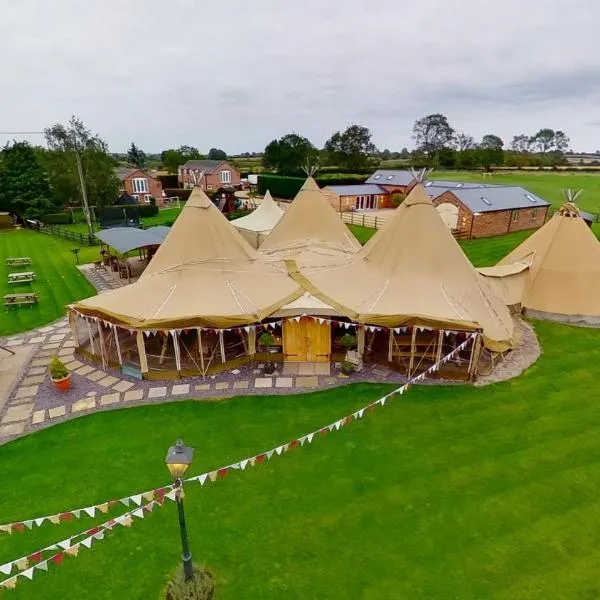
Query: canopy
column 310, row 232
column 508, row 281
column 125, row 239
column 258, row 224
column 413, row 271
column 564, row 277
column 204, row 274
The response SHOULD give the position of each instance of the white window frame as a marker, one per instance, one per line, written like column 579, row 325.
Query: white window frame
column 140, row 185
column 209, row 186
column 515, row 216
column 534, row 212
column 147, row 198
column 225, row 175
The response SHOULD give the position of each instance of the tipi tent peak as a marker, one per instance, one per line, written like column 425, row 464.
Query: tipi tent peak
column 259, row 223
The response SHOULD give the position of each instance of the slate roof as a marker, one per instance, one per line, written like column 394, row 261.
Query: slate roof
column 125, row 239
column 123, row 173
column 208, row 166
column 362, row 189
column 479, row 198
column 391, row 177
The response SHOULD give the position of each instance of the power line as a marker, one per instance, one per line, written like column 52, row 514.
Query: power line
column 19, row 132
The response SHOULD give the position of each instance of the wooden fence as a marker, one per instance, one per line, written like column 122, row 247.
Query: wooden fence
column 363, row 219
column 67, row 234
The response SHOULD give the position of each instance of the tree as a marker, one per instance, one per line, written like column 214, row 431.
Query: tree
column 97, row 165
column 216, row 154
column 521, row 143
column 431, row 134
column 548, row 140
column 491, row 151
column 350, row 149
column 561, row 141
column 24, row 188
column 289, row 154
column 463, row 142
column 173, row 158
column 136, row 156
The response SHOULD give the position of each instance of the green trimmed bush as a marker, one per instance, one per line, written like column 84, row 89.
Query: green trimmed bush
column 58, row 369
column 148, row 210
column 200, row 587
column 63, row 218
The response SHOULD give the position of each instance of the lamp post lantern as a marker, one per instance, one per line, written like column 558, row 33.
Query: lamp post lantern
column 179, row 458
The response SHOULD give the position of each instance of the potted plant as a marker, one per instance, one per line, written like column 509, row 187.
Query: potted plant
column 60, row 375
column 348, row 341
column 268, row 344
column 347, row 368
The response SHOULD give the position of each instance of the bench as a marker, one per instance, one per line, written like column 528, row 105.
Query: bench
column 26, row 277
column 19, row 299
column 18, row 261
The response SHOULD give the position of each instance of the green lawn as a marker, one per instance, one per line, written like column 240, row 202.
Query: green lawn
column 58, row 282
column 451, row 492
column 549, row 186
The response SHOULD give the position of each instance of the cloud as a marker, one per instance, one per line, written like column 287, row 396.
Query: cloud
column 164, row 73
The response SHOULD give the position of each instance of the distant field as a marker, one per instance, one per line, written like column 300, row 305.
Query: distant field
column 549, row 186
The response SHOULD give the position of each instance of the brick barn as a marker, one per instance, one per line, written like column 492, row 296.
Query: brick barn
column 139, row 184
column 214, row 173
column 475, row 210
column 345, row 198
column 393, row 181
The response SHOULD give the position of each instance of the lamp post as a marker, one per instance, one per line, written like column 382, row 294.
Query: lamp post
column 179, row 458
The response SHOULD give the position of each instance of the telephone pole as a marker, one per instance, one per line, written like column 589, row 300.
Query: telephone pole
column 86, row 208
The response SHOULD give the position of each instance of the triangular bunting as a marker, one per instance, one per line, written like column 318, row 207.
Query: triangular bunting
column 9, row 584
column 137, row 499
column 279, row 450
column 103, row 508
column 223, row 472
column 90, row 511
column 87, row 542
column 22, row 564
column 28, row 573
column 6, row 568
column 148, row 496
column 73, row 550
column 212, row 476
column 202, row 478
column 139, row 513
column 64, row 544
column 28, row 524
column 43, row 566
column 269, row 453
column 243, row 463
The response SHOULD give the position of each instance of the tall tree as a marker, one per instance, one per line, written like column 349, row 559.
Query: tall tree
column 289, row 154
column 24, row 188
column 350, row 149
column 543, row 140
column 561, row 141
column 97, row 164
column 491, row 151
column 136, row 156
column 521, row 143
column 173, row 158
column 217, row 154
column 463, row 142
column 431, row 134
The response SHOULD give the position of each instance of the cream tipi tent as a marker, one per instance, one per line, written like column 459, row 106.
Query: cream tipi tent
column 310, row 232
column 563, row 282
column 204, row 274
column 412, row 271
column 258, row 224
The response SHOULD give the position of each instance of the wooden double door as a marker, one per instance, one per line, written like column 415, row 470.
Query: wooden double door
column 306, row 340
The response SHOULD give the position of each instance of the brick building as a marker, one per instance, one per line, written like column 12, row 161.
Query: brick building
column 345, row 198
column 139, row 184
column 477, row 210
column 393, row 181
column 208, row 174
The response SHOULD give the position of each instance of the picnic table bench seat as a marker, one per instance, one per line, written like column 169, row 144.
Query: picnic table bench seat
column 18, row 261
column 24, row 277
column 19, row 299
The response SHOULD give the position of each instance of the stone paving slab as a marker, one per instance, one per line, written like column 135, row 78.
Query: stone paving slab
column 46, row 329
column 157, row 392
column 307, row 381
column 18, row 413
column 222, row 385
column 33, row 380
column 284, row 382
column 26, row 392
column 263, row 382
column 95, row 375
column 66, row 352
column 181, row 389
column 37, row 340
column 123, row 386
column 12, row 429
column 241, row 385
column 83, row 404
column 57, row 337
column 133, row 395
column 37, row 371
column 40, row 362
column 108, row 381
column 84, row 370
column 14, row 343
column 51, row 346
column 69, row 344
column 110, row 399
column 73, row 364
column 39, row 416
column 58, row 411
column 202, row 387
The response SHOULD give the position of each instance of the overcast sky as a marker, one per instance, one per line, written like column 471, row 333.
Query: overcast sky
column 237, row 74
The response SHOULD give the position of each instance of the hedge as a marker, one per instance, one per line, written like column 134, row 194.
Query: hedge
column 168, row 181
column 183, row 194
column 148, row 210
column 63, row 218
column 287, row 187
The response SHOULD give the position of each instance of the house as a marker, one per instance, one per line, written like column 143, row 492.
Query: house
column 393, row 181
column 139, row 184
column 583, row 158
column 345, row 198
column 477, row 210
column 208, row 175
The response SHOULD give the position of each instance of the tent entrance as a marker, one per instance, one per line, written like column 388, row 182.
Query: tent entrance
column 306, row 340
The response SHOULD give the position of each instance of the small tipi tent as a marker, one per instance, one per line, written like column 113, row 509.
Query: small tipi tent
column 310, row 230
column 563, row 282
column 412, row 271
column 258, row 224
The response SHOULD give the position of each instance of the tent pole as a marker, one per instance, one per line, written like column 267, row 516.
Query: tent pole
column 412, row 351
column 89, row 328
column 474, row 360
column 177, row 350
column 390, row 345
column 163, row 350
column 440, row 342
column 360, row 336
column 222, row 346
column 102, row 344
column 73, row 324
column 116, row 334
column 142, row 352
column 201, row 351
column 252, row 341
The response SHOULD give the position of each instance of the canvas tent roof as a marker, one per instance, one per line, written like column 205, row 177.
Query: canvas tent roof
column 259, row 223
column 204, row 274
column 310, row 230
column 564, row 276
column 412, row 271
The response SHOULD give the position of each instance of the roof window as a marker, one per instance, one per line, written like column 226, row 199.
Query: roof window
column 389, row 177
column 377, row 177
column 530, row 198
column 484, row 199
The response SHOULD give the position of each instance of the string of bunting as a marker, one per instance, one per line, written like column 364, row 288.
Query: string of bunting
column 29, row 564
column 104, row 507
column 266, row 326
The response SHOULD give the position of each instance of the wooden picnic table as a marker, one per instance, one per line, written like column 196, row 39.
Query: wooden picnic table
column 18, row 261
column 18, row 299
column 23, row 277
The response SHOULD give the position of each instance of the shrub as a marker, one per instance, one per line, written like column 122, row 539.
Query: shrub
column 63, row 218
column 347, row 368
column 397, row 199
column 58, row 369
column 281, row 187
column 348, row 341
column 200, row 587
column 266, row 340
column 148, row 210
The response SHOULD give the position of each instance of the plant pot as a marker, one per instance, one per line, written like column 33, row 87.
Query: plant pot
column 64, row 384
column 347, row 370
column 269, row 368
